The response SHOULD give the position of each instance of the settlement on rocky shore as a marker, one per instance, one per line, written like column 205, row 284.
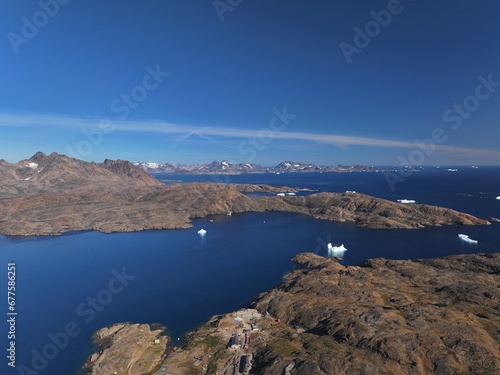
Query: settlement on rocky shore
column 439, row 316
column 55, row 194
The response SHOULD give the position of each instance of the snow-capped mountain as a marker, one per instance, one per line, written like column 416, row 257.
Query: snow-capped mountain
column 225, row 166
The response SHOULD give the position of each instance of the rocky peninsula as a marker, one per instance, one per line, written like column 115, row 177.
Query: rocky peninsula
column 439, row 316
column 54, row 194
column 132, row 349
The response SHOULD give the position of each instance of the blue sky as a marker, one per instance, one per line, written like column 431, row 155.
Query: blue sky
column 255, row 81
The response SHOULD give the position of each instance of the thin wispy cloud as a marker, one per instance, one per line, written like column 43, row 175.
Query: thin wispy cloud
column 210, row 133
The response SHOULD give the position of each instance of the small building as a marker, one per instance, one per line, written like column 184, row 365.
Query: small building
column 234, row 342
column 244, row 364
column 247, row 339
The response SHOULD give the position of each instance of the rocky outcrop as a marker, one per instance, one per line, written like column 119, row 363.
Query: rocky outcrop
column 127, row 349
column 439, row 316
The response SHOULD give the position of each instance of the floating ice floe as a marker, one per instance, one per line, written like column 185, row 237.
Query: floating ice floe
column 202, row 232
column 350, row 191
column 290, row 193
column 336, row 249
column 280, row 194
column 406, row 201
column 466, row 238
column 498, row 197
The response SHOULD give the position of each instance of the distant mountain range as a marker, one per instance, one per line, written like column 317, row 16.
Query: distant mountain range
column 230, row 168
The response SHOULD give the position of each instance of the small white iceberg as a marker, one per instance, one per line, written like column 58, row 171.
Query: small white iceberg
column 336, row 249
column 405, row 201
column 466, row 238
column 202, row 232
column 280, row 194
column 290, row 193
column 498, row 197
column 350, row 191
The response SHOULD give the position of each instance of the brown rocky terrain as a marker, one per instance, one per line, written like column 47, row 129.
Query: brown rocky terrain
column 432, row 316
column 55, row 194
column 127, row 349
column 50, row 173
column 438, row 316
column 174, row 206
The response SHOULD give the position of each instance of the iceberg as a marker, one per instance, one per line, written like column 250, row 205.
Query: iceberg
column 336, row 249
column 202, row 232
column 290, row 193
column 466, row 238
column 406, row 201
column 350, row 191
column 498, row 197
column 280, row 194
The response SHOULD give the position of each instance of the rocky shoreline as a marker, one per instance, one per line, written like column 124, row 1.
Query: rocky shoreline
column 132, row 349
column 438, row 316
column 175, row 206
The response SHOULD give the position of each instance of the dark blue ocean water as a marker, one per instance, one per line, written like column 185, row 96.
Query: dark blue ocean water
column 180, row 279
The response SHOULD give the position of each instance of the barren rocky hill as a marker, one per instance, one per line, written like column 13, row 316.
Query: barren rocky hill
column 49, row 173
